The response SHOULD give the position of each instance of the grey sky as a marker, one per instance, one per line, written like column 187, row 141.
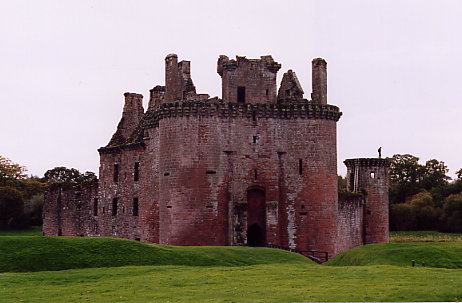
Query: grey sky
column 394, row 68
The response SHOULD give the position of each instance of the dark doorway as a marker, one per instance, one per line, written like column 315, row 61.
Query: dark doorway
column 241, row 94
column 256, row 217
column 255, row 236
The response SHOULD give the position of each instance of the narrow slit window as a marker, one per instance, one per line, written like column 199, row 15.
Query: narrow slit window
column 95, row 207
column 372, row 174
column 114, row 206
column 267, row 92
column 254, row 116
column 116, row 172
column 136, row 173
column 288, row 92
column 241, row 94
column 254, row 139
column 255, row 174
column 135, row 207
column 300, row 166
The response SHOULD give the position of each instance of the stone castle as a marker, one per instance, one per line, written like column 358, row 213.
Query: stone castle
column 257, row 167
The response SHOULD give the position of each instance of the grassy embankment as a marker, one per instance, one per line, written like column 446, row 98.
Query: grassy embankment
column 224, row 274
column 18, row 254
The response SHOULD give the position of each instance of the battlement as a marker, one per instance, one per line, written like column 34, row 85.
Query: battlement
column 299, row 110
column 367, row 162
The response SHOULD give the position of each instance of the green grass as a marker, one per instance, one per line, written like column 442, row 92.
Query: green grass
column 57, row 253
column 33, row 231
column 221, row 274
column 432, row 254
column 257, row 283
column 424, row 236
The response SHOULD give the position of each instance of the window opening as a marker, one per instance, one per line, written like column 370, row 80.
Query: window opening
column 95, row 207
column 136, row 173
column 267, row 92
column 288, row 92
column 116, row 172
column 135, row 207
column 241, row 94
column 255, row 174
column 114, row 207
column 300, row 166
column 372, row 174
column 254, row 139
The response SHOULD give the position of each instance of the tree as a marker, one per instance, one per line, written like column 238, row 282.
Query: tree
column 68, row 176
column 405, row 169
column 405, row 175
column 62, row 175
column 11, row 208
column 10, row 172
column 434, row 174
column 452, row 213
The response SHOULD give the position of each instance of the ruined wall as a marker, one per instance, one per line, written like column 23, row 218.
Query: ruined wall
column 350, row 221
column 255, row 79
column 369, row 176
column 69, row 210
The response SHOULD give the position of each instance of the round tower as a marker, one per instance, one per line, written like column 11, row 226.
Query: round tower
column 370, row 177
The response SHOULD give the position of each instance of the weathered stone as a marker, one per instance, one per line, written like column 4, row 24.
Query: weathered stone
column 243, row 170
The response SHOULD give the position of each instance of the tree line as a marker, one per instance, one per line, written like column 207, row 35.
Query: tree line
column 21, row 196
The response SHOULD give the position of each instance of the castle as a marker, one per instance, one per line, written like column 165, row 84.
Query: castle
column 257, row 167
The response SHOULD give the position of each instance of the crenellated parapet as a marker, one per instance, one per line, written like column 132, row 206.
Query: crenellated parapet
column 298, row 110
column 367, row 162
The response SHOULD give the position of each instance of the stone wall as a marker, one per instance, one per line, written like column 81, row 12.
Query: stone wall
column 69, row 210
column 351, row 221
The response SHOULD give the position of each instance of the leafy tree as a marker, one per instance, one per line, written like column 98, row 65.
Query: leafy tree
column 452, row 213
column 425, row 212
column 434, row 174
column 405, row 174
column 11, row 208
column 62, row 175
column 10, row 172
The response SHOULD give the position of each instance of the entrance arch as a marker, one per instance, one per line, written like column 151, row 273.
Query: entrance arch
column 256, row 217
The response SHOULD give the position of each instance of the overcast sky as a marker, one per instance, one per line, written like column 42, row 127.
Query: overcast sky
column 394, row 68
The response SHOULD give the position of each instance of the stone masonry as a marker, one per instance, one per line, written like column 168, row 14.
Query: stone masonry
column 257, row 167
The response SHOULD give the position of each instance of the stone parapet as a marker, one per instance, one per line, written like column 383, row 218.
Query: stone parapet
column 296, row 110
column 367, row 162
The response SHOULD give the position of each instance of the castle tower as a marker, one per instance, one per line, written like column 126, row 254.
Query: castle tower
column 248, row 80
column 370, row 177
column 319, row 81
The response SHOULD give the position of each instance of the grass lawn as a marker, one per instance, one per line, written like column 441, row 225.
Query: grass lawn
column 221, row 274
column 424, row 236
column 430, row 254
column 18, row 254
column 255, row 283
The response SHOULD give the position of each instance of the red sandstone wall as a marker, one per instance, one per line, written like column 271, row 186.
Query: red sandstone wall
column 124, row 224
column 68, row 211
column 350, row 223
column 244, row 153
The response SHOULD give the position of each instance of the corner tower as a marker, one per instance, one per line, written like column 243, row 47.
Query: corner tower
column 370, row 177
column 248, row 80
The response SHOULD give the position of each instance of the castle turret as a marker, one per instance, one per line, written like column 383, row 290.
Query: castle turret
column 319, row 81
column 248, row 80
column 172, row 79
column 370, row 177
